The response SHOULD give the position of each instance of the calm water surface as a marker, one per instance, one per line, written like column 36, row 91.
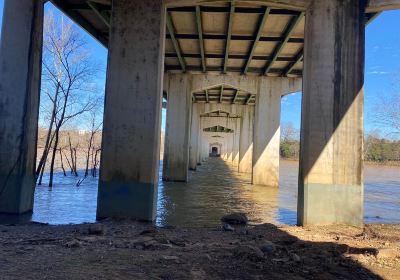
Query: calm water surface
column 214, row 190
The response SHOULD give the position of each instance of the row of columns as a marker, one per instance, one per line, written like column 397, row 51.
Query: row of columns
column 330, row 179
column 187, row 145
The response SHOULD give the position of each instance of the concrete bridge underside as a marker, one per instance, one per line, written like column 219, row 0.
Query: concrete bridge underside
column 223, row 68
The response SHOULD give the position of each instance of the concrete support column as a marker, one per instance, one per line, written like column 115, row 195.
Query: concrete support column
column 132, row 115
column 177, row 134
column 330, row 178
column 230, row 146
column 246, row 140
column 194, row 137
column 20, row 72
column 236, row 142
column 267, row 132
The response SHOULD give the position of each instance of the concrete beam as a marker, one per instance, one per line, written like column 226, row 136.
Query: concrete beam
column 242, row 82
column 331, row 168
column 299, row 5
column 20, row 72
column 132, row 115
column 382, row 5
column 177, row 134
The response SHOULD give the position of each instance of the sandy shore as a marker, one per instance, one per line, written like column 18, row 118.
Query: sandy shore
column 131, row 250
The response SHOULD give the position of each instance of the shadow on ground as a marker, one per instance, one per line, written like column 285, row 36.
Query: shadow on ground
column 130, row 250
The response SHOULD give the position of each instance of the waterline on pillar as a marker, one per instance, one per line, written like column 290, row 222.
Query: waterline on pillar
column 127, row 199
column 330, row 204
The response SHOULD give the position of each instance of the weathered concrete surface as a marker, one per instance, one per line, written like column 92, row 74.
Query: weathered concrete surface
column 266, row 137
column 246, row 140
column 236, row 141
column 194, row 137
column 20, row 71
column 131, row 135
column 330, row 179
column 177, row 131
column 382, row 5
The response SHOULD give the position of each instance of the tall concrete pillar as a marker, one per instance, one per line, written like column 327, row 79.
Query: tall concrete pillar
column 20, row 72
column 177, row 134
column 230, row 146
column 132, row 115
column 194, row 137
column 246, row 140
column 267, row 132
column 236, row 142
column 330, row 176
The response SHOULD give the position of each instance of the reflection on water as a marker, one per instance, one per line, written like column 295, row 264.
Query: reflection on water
column 214, row 190
column 217, row 189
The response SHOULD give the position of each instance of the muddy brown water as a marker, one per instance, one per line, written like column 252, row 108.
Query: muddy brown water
column 214, row 190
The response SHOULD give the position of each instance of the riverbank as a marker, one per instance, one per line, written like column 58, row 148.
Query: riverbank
column 131, row 250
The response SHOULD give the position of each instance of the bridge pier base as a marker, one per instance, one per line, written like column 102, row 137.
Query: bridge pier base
column 131, row 134
column 20, row 72
column 330, row 177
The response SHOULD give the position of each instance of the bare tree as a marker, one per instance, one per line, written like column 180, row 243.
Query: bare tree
column 387, row 112
column 288, row 132
column 67, row 75
column 95, row 126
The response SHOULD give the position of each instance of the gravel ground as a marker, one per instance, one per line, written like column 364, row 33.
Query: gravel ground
column 132, row 250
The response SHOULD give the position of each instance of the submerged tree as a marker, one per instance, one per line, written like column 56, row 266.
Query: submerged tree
column 95, row 126
column 67, row 81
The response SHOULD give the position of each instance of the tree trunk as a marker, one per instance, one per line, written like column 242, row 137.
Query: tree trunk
column 88, row 154
column 62, row 163
column 42, row 171
column 54, row 156
column 49, row 135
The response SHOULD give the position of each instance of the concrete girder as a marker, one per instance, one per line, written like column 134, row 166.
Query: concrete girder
column 298, row 5
column 207, row 81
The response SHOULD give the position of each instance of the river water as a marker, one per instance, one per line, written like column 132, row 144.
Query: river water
column 213, row 191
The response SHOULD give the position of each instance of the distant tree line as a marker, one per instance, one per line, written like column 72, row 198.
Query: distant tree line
column 376, row 148
column 381, row 150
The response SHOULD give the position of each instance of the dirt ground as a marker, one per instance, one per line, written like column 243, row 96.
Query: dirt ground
column 132, row 250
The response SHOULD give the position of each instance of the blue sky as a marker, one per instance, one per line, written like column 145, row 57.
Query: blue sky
column 382, row 66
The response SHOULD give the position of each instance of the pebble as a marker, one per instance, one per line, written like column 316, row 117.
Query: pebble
column 296, row 257
column 73, row 244
column 268, row 247
column 228, row 227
